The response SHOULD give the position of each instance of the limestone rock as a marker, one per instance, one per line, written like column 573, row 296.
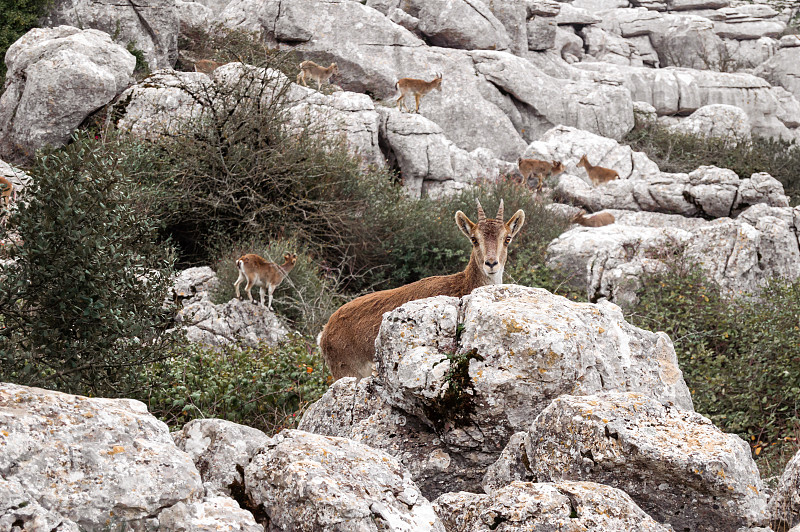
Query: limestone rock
column 209, row 515
column 151, row 25
column 307, row 482
column 739, row 254
column 568, row 45
column 546, row 506
column 609, row 47
column 193, row 14
column 644, row 114
column 748, row 54
column 57, row 77
column 784, row 506
column 20, row 511
column 749, row 21
column 571, row 15
column 717, row 120
column 235, row 321
column 220, row 450
column 92, row 461
column 541, row 33
column 512, row 465
column 782, row 69
column 194, row 284
column 675, row 464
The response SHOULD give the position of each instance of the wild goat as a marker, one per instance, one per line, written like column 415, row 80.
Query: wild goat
column 207, row 66
column 348, row 339
column 417, row 87
column 6, row 192
column 311, row 70
column 596, row 220
column 598, row 174
column 538, row 169
column 258, row 272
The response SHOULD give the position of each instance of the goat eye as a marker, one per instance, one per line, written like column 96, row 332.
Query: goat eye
column 474, row 240
column 508, row 240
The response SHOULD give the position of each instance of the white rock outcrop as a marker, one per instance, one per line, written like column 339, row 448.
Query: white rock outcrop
column 236, row 321
column 212, row 514
column 675, row 464
column 784, row 505
column 716, row 120
column 545, row 506
column 308, row 482
column 57, row 77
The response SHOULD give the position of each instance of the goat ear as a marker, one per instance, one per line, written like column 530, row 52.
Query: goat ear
column 464, row 224
column 514, row 224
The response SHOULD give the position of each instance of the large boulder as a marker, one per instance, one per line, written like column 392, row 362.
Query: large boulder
column 675, row 464
column 56, row 78
column 19, row 512
column 96, row 462
column 546, row 506
column 784, row 506
column 193, row 284
column 148, row 25
column 782, row 69
column 740, row 254
column 220, row 450
column 682, row 91
column 716, row 120
column 307, row 482
column 748, row 21
column 238, row 320
column 212, row 514
column 501, row 354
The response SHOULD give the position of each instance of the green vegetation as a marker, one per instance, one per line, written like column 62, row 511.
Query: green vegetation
column 264, row 387
column 83, row 303
column 740, row 357
column 678, row 152
column 142, row 69
column 16, row 18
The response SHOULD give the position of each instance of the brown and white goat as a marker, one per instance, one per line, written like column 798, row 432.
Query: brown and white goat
column 348, row 339
column 538, row 169
column 598, row 174
column 311, row 70
column 417, row 87
column 596, row 220
column 6, row 192
column 257, row 271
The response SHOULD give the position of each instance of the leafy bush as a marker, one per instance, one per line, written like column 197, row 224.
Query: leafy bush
column 307, row 297
column 740, row 357
column 16, row 18
column 263, row 387
column 679, row 152
column 82, row 301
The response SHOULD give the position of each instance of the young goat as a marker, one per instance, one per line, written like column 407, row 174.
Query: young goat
column 538, row 169
column 311, row 70
column 258, row 272
column 417, row 87
column 207, row 66
column 598, row 174
column 6, row 192
column 596, row 220
column 348, row 339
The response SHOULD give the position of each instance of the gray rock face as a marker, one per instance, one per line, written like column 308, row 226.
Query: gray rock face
column 220, row 450
column 92, row 461
column 512, row 465
column 19, row 512
column 782, row 69
column 541, row 32
column 609, row 47
column 56, row 78
column 307, row 482
column 547, row 506
column 717, row 120
column 739, row 254
column 784, row 506
column 518, row 349
column 681, row 91
column 194, row 284
column 744, row 22
column 675, row 464
column 235, row 321
column 210, row 515
column 151, row 25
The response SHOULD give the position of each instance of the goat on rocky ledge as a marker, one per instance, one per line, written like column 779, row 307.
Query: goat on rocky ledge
column 348, row 339
column 598, row 174
column 259, row 272
column 311, row 70
column 417, row 87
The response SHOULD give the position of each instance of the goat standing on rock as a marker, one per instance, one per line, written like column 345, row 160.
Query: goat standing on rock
column 538, row 169
column 417, row 87
column 259, row 272
column 598, row 174
column 311, row 70
column 348, row 339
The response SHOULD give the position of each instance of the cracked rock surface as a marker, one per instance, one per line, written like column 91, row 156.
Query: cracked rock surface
column 546, row 506
column 308, row 482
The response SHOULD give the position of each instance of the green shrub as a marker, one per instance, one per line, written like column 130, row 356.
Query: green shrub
column 82, row 304
column 263, row 387
column 678, row 152
column 142, row 68
column 307, row 297
column 16, row 18
column 740, row 357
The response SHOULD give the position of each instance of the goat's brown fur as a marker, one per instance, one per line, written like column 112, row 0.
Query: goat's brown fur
column 348, row 339
column 596, row 220
column 311, row 70
column 417, row 87
column 538, row 169
column 257, row 271
column 207, row 66
column 598, row 174
column 6, row 191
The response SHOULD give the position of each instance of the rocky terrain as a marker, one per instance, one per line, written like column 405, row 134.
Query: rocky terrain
column 508, row 409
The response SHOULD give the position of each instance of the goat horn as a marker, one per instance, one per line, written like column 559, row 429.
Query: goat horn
column 481, row 214
column 500, row 212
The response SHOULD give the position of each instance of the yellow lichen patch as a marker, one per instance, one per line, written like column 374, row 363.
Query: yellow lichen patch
column 600, row 330
column 512, row 326
column 116, row 450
